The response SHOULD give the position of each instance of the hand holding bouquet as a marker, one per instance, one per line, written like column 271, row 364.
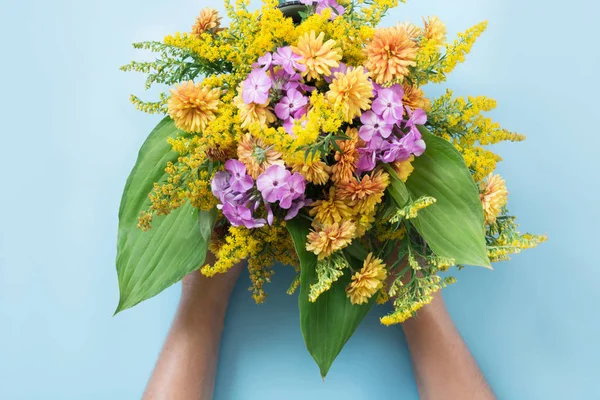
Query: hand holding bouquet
column 312, row 144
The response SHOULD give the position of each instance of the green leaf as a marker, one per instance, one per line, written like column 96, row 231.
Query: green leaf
column 149, row 262
column 329, row 322
column 453, row 226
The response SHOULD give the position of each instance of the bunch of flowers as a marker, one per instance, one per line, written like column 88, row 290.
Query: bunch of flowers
column 312, row 143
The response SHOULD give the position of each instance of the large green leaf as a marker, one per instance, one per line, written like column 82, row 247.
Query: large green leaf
column 453, row 226
column 149, row 262
column 328, row 323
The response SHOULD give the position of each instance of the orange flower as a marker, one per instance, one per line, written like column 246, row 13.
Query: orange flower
column 413, row 31
column 208, row 20
column 404, row 168
column 389, row 54
column 352, row 91
column 365, row 194
column 315, row 171
column 257, row 156
column 345, row 161
column 367, row 281
column 435, row 30
column 251, row 113
column 493, row 196
column 330, row 210
column 325, row 241
column 415, row 98
column 192, row 106
column 318, row 57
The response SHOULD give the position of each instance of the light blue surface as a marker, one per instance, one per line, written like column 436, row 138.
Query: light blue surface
column 69, row 139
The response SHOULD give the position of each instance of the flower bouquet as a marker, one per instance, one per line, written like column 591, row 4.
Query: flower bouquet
column 301, row 135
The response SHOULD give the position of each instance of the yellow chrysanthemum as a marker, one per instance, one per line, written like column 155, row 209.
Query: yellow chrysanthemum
column 345, row 161
column 414, row 97
column 363, row 195
column 252, row 113
column 325, row 241
column 208, row 20
column 389, row 54
column 318, row 57
column 493, row 196
column 330, row 210
column 352, row 91
column 192, row 106
column 435, row 30
column 367, row 281
column 314, row 171
column 404, row 168
column 257, row 156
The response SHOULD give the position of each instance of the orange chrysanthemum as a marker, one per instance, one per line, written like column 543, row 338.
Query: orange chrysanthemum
column 252, row 113
column 257, row 156
column 435, row 30
column 330, row 210
column 352, row 91
column 325, row 241
column 318, row 57
column 413, row 31
column 493, row 196
column 315, row 171
column 208, row 20
column 404, row 168
column 345, row 161
column 367, row 281
column 389, row 54
column 365, row 194
column 192, row 106
column 414, row 97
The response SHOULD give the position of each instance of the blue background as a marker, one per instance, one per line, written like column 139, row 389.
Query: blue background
column 69, row 140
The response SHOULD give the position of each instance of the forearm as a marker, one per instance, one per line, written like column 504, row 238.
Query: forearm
column 186, row 367
column 442, row 363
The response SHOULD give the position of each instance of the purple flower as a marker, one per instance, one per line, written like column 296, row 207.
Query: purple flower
column 264, row 62
column 270, row 181
column 293, row 189
column 288, row 60
column 296, row 206
column 239, row 215
column 239, row 181
column 373, row 124
column 293, row 102
column 388, row 105
column 220, row 185
column 366, row 160
column 256, row 87
column 333, row 4
column 418, row 117
column 343, row 68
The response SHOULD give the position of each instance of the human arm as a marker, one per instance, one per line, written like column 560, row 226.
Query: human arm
column 186, row 367
column 443, row 365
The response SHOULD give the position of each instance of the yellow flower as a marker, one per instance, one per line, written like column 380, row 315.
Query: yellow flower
column 257, row 156
column 404, row 168
column 435, row 30
column 366, row 193
column 193, row 106
column 389, row 54
column 209, row 19
column 314, row 171
column 318, row 57
column 345, row 161
column 330, row 210
column 367, row 281
column 253, row 113
column 325, row 241
column 352, row 91
column 493, row 196
column 415, row 98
